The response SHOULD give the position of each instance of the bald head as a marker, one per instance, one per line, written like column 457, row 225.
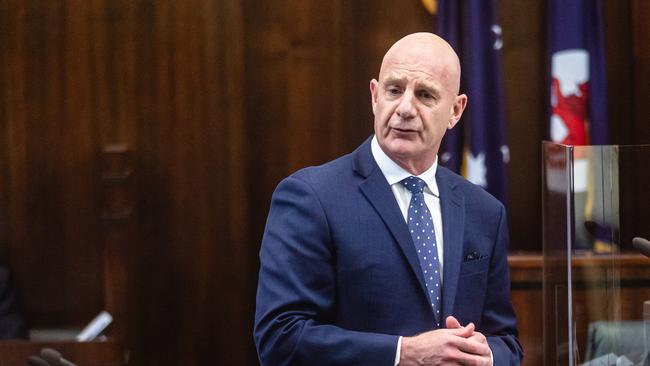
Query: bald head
column 425, row 51
column 416, row 100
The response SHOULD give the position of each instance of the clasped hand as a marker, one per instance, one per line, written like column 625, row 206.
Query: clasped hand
column 455, row 345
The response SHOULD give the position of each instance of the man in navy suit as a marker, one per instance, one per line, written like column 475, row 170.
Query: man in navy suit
column 345, row 279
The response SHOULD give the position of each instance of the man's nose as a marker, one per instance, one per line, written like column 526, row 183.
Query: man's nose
column 406, row 107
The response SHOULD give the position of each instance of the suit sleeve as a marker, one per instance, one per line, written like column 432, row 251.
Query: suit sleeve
column 499, row 321
column 296, row 294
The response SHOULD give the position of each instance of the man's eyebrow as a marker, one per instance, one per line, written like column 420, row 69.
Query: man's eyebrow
column 394, row 80
column 425, row 84
column 431, row 88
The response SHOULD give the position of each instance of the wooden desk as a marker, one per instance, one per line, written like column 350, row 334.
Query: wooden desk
column 110, row 353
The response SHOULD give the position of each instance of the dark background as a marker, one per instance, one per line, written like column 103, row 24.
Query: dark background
column 217, row 101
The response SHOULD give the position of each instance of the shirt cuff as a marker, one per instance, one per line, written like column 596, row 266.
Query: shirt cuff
column 397, row 353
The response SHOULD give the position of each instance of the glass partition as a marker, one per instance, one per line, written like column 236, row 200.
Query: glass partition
column 596, row 199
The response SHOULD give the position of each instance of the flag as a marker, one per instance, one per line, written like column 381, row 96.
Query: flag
column 577, row 62
column 578, row 111
column 477, row 147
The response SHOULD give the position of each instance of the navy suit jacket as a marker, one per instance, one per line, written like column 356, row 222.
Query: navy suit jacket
column 340, row 280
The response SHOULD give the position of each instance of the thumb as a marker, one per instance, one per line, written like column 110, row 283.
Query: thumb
column 452, row 323
column 470, row 328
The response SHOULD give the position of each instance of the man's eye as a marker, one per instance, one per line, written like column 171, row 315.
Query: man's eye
column 394, row 91
column 424, row 95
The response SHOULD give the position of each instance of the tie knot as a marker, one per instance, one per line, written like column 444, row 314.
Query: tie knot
column 414, row 184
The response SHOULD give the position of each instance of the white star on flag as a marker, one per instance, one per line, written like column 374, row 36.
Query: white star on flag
column 505, row 153
column 476, row 169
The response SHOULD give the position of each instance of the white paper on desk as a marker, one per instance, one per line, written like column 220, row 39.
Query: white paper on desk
column 95, row 327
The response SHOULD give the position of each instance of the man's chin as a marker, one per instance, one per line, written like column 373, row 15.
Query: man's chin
column 401, row 149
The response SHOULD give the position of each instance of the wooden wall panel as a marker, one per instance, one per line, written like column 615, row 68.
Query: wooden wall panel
column 293, row 94
column 112, row 60
column 267, row 47
column 217, row 101
column 620, row 70
column 194, row 284
column 164, row 79
column 641, row 50
column 526, row 93
column 233, row 333
column 7, row 32
column 50, row 151
column 527, row 299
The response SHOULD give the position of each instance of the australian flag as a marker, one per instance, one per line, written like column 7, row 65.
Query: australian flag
column 577, row 63
column 477, row 147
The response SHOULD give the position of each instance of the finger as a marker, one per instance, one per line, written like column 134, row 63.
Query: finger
column 452, row 322
column 469, row 359
column 479, row 337
column 458, row 357
column 473, row 347
column 463, row 332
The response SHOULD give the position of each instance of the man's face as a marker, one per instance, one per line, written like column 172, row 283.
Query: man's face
column 414, row 103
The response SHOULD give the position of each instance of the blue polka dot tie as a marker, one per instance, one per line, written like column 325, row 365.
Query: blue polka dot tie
column 421, row 227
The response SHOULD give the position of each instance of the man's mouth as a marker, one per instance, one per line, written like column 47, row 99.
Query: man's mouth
column 403, row 130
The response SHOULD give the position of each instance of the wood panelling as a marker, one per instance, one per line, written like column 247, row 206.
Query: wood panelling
column 49, row 151
column 527, row 296
column 194, row 268
column 641, row 66
column 164, row 79
column 526, row 96
column 620, row 71
column 216, row 101
column 117, row 217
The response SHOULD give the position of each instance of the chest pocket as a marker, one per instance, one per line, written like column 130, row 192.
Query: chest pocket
column 474, row 266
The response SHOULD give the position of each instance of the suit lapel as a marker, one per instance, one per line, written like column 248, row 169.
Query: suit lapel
column 376, row 189
column 452, row 206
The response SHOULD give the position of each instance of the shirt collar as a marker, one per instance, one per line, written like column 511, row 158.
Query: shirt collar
column 395, row 173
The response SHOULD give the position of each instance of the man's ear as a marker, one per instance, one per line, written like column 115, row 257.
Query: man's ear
column 457, row 110
column 374, row 89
